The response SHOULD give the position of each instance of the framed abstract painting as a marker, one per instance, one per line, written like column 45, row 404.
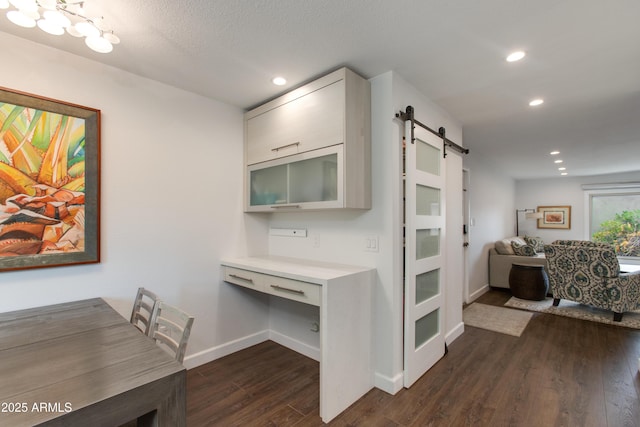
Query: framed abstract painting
column 49, row 182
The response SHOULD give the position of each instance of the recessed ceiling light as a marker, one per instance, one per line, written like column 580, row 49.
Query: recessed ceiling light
column 279, row 81
column 554, row 153
column 536, row 102
column 564, row 173
column 557, row 161
column 515, row 56
column 562, row 169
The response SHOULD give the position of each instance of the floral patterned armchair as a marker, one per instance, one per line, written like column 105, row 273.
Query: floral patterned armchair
column 589, row 273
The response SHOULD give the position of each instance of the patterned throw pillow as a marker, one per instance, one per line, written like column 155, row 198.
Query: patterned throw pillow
column 536, row 242
column 523, row 250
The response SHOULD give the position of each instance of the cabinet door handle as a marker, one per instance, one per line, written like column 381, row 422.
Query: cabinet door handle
column 284, row 206
column 241, row 278
column 286, row 146
column 293, row 291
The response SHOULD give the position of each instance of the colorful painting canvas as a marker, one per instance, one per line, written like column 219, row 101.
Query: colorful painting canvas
column 49, row 182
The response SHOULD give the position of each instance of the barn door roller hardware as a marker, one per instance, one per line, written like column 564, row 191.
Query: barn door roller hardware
column 408, row 115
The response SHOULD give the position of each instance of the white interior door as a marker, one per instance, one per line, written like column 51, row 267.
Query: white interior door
column 424, row 263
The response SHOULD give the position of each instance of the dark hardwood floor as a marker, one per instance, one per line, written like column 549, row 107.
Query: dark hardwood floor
column 559, row 372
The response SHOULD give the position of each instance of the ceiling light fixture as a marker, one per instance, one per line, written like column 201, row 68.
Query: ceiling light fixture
column 536, row 102
column 554, row 153
column 279, row 81
column 564, row 173
column 562, row 169
column 516, row 56
column 56, row 16
column 557, row 161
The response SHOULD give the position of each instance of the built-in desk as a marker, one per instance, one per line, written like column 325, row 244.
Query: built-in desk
column 344, row 296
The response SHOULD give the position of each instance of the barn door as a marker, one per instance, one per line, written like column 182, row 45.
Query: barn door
column 424, row 264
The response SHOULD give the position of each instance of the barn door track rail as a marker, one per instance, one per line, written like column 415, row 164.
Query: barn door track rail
column 408, row 115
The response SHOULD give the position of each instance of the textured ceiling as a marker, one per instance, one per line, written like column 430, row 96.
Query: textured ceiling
column 583, row 59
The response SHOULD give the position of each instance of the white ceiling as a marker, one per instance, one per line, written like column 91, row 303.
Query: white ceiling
column 583, row 58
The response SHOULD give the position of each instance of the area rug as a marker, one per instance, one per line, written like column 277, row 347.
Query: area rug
column 497, row 319
column 576, row 310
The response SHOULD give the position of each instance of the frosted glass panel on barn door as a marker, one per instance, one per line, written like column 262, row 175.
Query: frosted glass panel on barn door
column 424, row 260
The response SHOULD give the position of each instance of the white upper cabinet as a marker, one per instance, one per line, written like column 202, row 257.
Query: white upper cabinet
column 310, row 149
column 313, row 120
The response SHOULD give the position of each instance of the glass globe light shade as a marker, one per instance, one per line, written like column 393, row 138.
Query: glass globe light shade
column 98, row 22
column 50, row 27
column 47, row 4
column 23, row 4
column 99, row 44
column 33, row 14
column 111, row 38
column 87, row 29
column 71, row 30
column 21, row 19
column 56, row 18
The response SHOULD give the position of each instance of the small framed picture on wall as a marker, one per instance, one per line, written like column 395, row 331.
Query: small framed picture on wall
column 555, row 217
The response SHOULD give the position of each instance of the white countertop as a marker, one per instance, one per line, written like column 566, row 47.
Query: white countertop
column 295, row 268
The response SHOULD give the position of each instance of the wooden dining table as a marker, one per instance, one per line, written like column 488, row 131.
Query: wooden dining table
column 82, row 364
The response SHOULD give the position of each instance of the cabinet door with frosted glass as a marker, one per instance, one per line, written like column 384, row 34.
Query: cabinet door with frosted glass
column 308, row 181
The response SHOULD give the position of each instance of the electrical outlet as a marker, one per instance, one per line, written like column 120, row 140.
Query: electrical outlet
column 316, row 240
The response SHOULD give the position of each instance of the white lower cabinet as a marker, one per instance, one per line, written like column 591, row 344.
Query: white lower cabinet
column 308, row 293
column 344, row 296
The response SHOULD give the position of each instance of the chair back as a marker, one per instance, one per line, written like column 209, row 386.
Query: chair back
column 582, row 243
column 142, row 310
column 579, row 271
column 170, row 329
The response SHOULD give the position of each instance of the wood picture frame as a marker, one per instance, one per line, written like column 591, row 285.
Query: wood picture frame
column 49, row 182
column 555, row 217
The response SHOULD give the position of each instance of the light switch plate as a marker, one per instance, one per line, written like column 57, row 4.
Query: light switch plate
column 371, row 244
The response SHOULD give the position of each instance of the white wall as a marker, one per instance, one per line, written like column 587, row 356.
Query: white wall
column 171, row 198
column 492, row 216
column 561, row 191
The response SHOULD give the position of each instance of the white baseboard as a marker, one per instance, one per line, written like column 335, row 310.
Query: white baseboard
column 454, row 333
column 477, row 294
column 387, row 384
column 225, row 349
column 295, row 345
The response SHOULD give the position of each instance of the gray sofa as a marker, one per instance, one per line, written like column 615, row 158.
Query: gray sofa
column 501, row 257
